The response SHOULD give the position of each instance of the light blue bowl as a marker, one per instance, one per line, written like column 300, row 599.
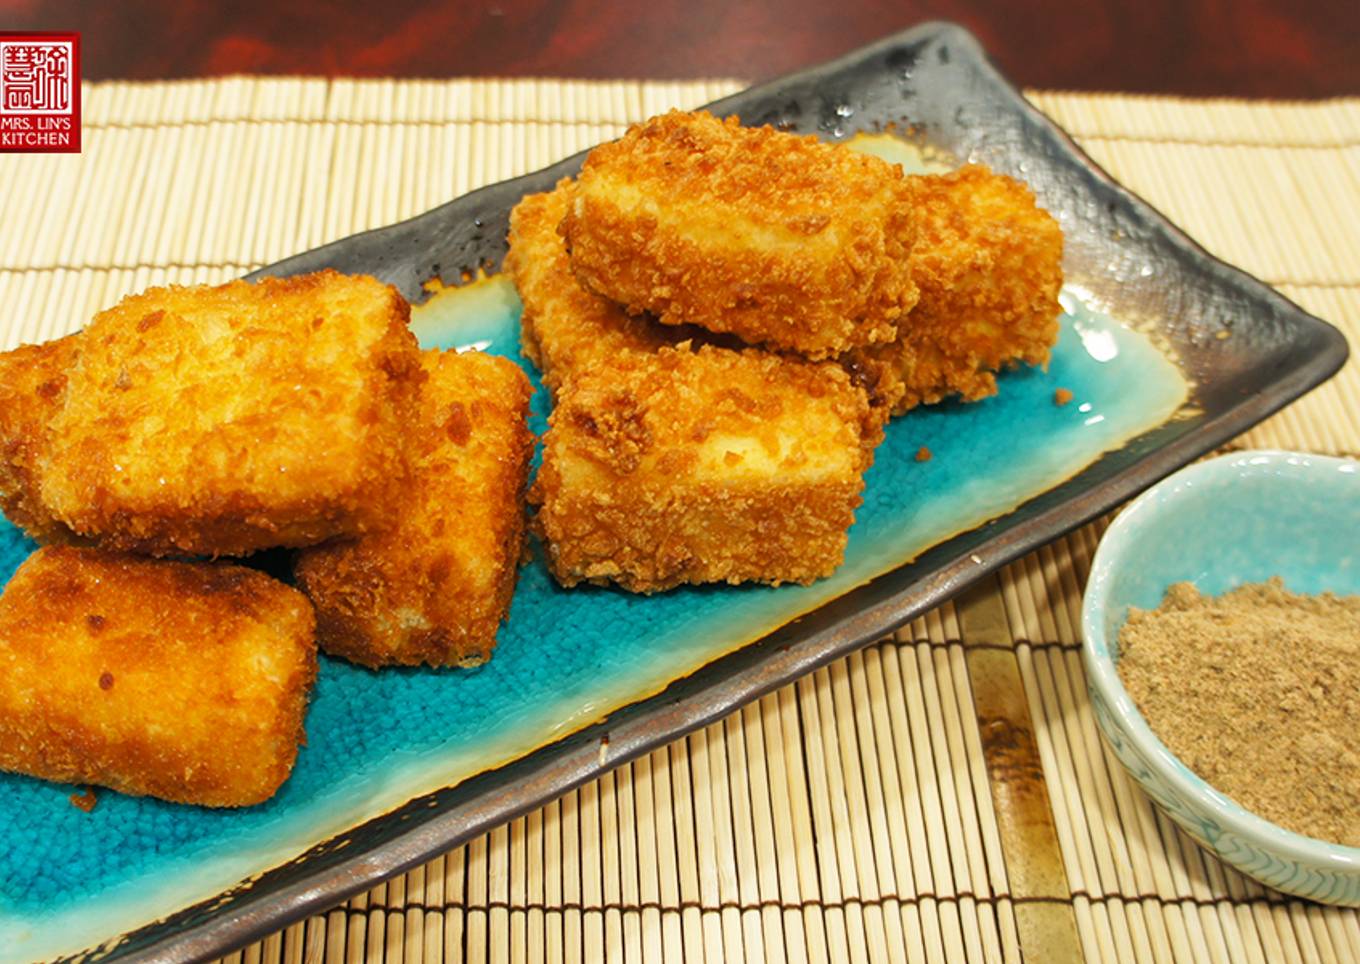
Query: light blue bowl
column 1232, row 520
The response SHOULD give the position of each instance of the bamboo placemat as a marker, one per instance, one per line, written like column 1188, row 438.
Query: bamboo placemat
column 941, row 795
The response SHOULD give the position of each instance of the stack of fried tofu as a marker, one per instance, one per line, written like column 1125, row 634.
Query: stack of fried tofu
column 189, row 425
column 727, row 317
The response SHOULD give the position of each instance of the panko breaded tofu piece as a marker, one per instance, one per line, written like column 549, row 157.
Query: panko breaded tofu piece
column 434, row 587
column 784, row 241
column 565, row 328
column 988, row 262
column 218, row 421
column 701, row 466
column 184, row 681
column 32, row 387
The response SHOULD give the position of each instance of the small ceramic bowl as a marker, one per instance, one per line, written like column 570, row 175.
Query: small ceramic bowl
column 1232, row 520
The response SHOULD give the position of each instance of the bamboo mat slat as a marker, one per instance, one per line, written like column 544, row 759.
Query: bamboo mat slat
column 942, row 795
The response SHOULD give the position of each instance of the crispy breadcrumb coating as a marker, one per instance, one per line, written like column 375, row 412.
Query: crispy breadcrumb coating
column 184, row 681
column 781, row 240
column 566, row 329
column 218, row 421
column 563, row 327
column 434, row 587
column 701, row 466
column 32, row 388
column 750, row 463
column 988, row 262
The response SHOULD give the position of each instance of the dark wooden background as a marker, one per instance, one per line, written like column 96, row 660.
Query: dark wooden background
column 1247, row 48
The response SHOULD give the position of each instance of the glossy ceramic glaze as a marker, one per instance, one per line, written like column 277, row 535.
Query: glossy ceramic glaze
column 565, row 659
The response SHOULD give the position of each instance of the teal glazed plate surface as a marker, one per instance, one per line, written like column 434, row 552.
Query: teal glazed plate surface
column 1237, row 519
column 403, row 765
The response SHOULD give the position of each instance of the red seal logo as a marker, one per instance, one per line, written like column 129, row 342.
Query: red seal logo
column 39, row 93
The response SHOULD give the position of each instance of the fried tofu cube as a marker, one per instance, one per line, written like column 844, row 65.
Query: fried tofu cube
column 434, row 587
column 564, row 327
column 178, row 680
column 701, row 466
column 781, row 240
column 222, row 420
column 32, row 386
column 988, row 263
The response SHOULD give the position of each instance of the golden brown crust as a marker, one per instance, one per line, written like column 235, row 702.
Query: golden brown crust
column 565, row 328
column 434, row 587
column 32, row 388
column 701, row 466
column 184, row 681
column 219, row 421
column 988, row 263
column 781, row 240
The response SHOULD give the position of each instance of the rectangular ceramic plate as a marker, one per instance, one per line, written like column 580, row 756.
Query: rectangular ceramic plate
column 403, row 765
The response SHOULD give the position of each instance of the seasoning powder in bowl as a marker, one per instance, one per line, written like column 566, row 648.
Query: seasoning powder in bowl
column 1258, row 692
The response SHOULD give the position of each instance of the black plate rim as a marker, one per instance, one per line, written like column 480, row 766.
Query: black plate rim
column 555, row 769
